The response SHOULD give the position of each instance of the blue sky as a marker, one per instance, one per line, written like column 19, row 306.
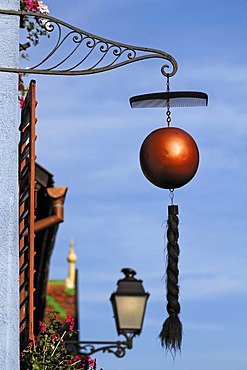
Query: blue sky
column 89, row 137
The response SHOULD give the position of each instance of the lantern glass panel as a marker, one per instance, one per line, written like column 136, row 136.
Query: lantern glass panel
column 130, row 312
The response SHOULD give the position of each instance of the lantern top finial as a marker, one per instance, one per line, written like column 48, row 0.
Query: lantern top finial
column 129, row 273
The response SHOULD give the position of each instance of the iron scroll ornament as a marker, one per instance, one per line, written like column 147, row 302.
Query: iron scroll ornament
column 87, row 348
column 110, row 54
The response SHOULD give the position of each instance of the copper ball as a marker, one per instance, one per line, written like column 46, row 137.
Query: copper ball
column 169, row 157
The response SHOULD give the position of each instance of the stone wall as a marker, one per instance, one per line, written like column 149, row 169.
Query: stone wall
column 9, row 286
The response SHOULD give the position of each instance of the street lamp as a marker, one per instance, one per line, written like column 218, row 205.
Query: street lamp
column 129, row 305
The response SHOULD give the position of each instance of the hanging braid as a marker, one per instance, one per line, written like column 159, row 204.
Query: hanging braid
column 171, row 333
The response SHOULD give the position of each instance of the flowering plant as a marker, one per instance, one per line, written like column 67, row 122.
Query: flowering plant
column 22, row 90
column 35, row 27
column 48, row 350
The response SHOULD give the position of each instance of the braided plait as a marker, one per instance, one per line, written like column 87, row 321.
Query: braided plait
column 171, row 333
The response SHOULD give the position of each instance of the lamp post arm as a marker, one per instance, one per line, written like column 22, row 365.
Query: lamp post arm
column 87, row 348
column 95, row 53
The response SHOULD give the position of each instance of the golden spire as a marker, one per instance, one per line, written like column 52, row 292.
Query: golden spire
column 70, row 281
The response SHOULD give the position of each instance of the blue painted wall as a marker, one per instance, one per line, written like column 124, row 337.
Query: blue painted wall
column 9, row 295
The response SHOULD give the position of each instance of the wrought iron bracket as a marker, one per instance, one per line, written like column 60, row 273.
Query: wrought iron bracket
column 87, row 348
column 95, row 53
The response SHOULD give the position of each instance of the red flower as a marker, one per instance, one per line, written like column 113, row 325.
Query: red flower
column 22, row 100
column 91, row 361
column 32, row 5
column 42, row 326
column 69, row 319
